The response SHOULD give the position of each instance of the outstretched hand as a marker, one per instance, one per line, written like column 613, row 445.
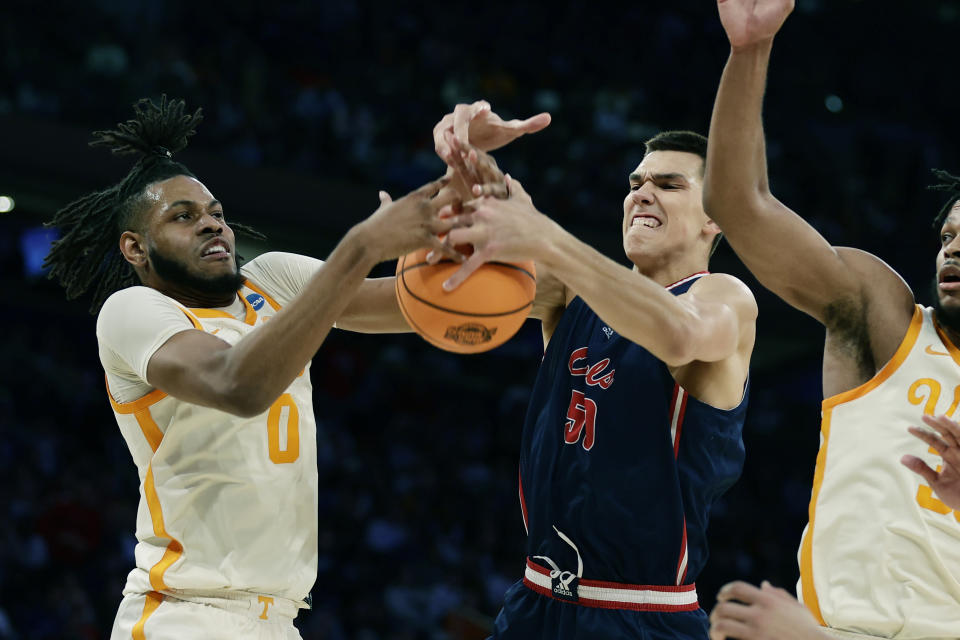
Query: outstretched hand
column 748, row 22
column 499, row 229
column 746, row 612
column 473, row 167
column 477, row 125
column 945, row 480
column 412, row 222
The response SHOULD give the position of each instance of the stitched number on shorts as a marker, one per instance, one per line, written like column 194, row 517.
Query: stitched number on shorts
column 581, row 416
column 292, row 451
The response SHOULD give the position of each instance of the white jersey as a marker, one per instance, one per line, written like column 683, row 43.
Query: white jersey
column 226, row 503
column 881, row 555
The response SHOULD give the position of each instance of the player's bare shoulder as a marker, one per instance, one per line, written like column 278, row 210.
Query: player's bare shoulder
column 886, row 301
column 730, row 290
column 865, row 329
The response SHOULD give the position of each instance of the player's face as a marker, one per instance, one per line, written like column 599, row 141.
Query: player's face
column 188, row 240
column 663, row 211
column 948, row 270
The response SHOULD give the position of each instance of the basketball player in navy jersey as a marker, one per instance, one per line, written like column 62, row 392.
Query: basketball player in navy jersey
column 634, row 425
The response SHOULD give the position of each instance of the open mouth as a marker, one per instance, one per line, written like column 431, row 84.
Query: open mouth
column 216, row 251
column 647, row 221
column 949, row 278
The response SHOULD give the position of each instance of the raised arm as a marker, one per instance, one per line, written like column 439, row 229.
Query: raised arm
column 246, row 378
column 783, row 251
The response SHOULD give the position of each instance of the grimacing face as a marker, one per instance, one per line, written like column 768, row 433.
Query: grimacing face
column 188, row 240
column 663, row 210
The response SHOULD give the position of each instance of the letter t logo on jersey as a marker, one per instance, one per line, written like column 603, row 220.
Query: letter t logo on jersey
column 266, row 601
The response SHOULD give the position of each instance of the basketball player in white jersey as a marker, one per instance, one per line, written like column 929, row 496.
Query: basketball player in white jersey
column 207, row 370
column 880, row 556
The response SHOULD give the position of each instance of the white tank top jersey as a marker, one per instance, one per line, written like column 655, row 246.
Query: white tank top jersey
column 881, row 555
column 226, row 503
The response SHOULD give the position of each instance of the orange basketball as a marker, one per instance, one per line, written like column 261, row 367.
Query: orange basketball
column 482, row 313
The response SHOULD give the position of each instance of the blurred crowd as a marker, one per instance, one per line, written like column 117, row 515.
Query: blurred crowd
column 420, row 530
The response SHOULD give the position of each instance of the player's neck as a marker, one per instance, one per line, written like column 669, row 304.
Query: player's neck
column 668, row 273
column 195, row 299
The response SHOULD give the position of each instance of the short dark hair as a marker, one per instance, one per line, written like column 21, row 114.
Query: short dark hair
column 87, row 256
column 687, row 142
column 950, row 184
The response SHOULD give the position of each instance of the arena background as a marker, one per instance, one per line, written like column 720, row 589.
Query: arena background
column 310, row 109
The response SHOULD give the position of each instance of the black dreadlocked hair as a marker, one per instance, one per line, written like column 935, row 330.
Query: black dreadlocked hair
column 87, row 256
column 951, row 184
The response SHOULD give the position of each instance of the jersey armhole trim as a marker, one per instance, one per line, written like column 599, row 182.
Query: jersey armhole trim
column 137, row 405
column 807, row 587
column 909, row 340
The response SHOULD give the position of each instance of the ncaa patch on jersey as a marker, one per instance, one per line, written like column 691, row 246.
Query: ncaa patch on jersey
column 256, row 301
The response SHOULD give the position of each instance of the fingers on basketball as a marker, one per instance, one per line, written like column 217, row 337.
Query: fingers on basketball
column 480, row 314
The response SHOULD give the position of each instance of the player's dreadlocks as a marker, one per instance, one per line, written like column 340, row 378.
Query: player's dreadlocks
column 951, row 184
column 88, row 256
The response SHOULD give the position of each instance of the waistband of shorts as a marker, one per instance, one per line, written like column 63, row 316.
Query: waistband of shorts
column 252, row 605
column 616, row 595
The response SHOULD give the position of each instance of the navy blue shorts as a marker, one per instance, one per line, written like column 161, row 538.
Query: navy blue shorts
column 527, row 615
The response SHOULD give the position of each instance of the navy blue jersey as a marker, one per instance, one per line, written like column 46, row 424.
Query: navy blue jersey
column 620, row 459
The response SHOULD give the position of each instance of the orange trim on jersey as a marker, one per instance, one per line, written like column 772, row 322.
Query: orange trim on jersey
column 137, row 405
column 250, row 315
column 888, row 369
column 140, row 409
column 149, row 428
column 954, row 352
column 150, row 604
column 174, row 549
column 273, row 303
column 806, row 548
column 192, row 318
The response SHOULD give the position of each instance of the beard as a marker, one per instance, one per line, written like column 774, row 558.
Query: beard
column 947, row 317
column 174, row 271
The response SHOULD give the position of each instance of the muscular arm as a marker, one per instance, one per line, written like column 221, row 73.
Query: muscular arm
column 244, row 379
column 865, row 306
column 785, row 253
column 703, row 324
column 374, row 309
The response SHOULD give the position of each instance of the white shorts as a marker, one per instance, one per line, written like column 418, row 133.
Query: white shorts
column 155, row 616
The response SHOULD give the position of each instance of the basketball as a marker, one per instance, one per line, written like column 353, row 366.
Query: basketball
column 482, row 313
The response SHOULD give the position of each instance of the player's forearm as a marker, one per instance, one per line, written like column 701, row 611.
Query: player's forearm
column 634, row 306
column 374, row 309
column 736, row 182
column 263, row 364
